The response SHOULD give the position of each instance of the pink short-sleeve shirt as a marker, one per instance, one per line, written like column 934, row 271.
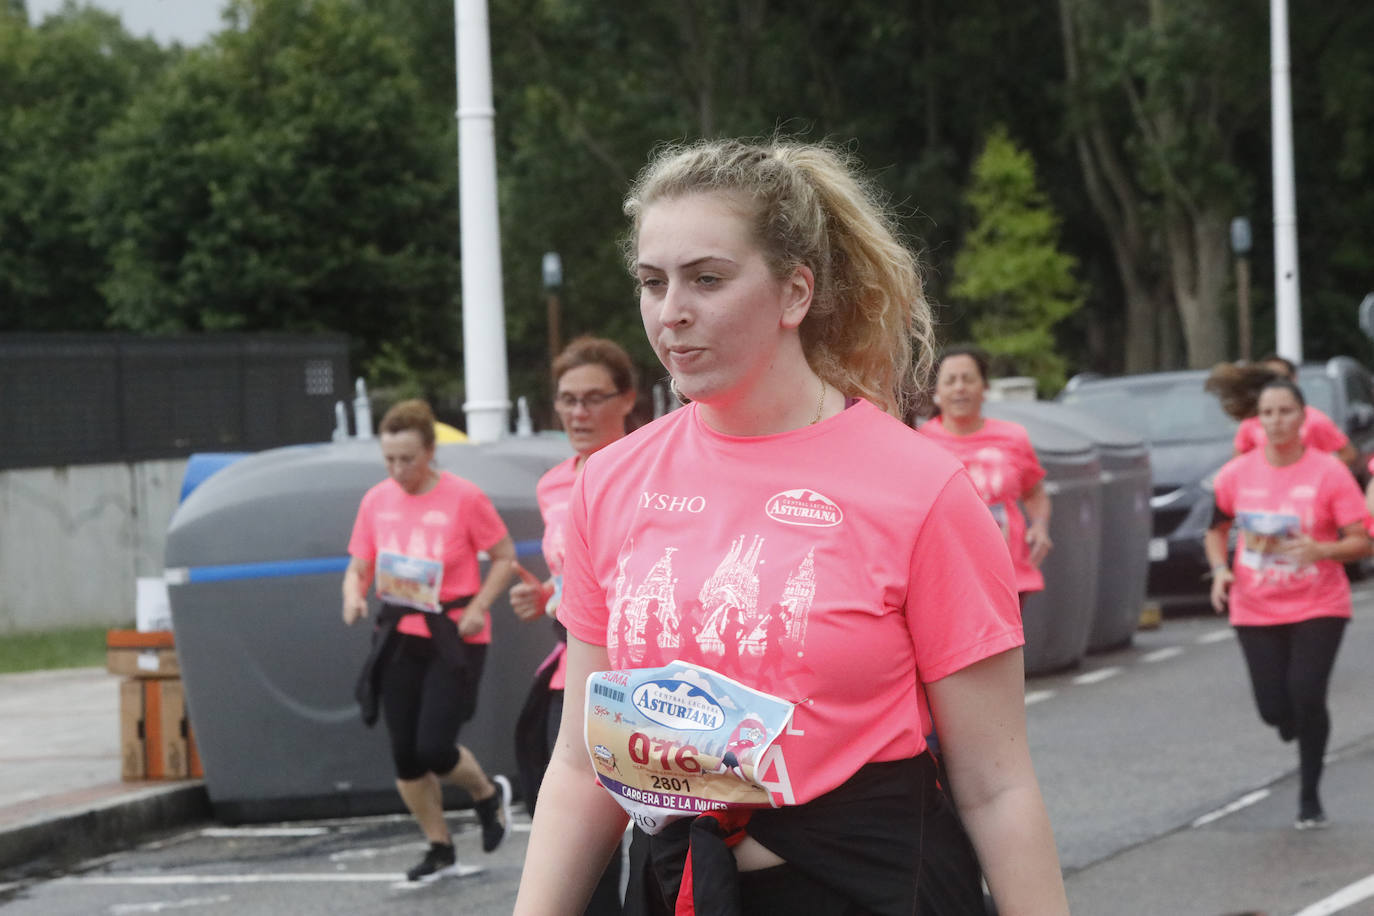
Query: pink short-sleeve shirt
column 1004, row 468
column 552, row 494
column 1315, row 496
column 837, row 566
column 451, row 523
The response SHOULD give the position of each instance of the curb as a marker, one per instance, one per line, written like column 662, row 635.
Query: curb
column 51, row 843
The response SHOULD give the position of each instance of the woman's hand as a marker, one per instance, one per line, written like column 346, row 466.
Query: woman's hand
column 529, row 596
column 473, row 619
column 1038, row 539
column 1301, row 549
column 354, row 607
column 1222, row 578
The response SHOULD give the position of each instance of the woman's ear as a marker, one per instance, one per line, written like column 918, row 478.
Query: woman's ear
column 799, row 286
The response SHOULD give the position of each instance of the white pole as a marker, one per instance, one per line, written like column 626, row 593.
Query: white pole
column 484, row 324
column 1287, row 298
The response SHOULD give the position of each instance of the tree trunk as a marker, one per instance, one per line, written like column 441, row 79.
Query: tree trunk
column 1198, row 271
column 1109, row 189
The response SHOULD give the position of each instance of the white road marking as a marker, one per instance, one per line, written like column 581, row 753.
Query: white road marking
column 1160, row 655
column 1038, row 696
column 252, row 832
column 1244, row 801
column 1347, row 896
column 1216, row 636
column 120, row 909
column 1095, row 677
column 283, row 878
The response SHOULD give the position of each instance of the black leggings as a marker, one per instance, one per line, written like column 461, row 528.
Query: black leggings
column 424, row 702
column 1290, row 670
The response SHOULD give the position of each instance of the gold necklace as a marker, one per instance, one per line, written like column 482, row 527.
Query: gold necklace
column 820, row 405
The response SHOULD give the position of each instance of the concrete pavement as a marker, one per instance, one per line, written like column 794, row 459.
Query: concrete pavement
column 61, row 796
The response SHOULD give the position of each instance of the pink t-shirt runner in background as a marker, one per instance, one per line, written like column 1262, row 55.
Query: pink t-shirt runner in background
column 835, row 566
column 451, row 524
column 552, row 494
column 1315, row 496
column 1318, row 431
column 1004, row 468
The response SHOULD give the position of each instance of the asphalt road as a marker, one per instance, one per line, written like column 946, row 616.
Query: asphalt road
column 1167, row 794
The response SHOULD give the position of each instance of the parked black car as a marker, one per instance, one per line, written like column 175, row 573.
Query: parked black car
column 1190, row 438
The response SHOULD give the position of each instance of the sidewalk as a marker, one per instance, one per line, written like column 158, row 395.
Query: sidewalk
column 61, row 797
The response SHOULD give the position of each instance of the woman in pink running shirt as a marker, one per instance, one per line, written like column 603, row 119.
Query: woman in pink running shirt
column 594, row 382
column 1301, row 516
column 1318, row 430
column 417, row 534
column 756, row 585
column 999, row 458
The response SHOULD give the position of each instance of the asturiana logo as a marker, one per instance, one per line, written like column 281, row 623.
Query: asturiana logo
column 679, row 705
column 803, row 507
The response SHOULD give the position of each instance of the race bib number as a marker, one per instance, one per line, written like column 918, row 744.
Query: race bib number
column 409, row 581
column 675, row 741
column 1264, row 537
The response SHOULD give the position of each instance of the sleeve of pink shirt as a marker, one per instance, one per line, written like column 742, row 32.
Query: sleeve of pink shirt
column 485, row 526
column 1031, row 471
column 1223, row 488
column 1322, row 433
column 1245, row 435
column 1346, row 501
column 362, row 543
column 961, row 602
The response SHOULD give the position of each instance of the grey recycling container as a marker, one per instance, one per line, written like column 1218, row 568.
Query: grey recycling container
column 1059, row 619
column 255, row 559
column 1124, row 564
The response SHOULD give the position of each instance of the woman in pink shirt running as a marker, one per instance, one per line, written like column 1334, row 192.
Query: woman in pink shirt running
column 1301, row 516
column 999, row 458
column 756, row 585
column 594, row 382
column 418, row 534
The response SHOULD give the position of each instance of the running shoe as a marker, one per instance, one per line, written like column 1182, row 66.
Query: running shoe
column 494, row 813
column 437, row 862
column 1316, row 821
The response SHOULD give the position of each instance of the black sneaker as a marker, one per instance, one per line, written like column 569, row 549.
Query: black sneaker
column 1315, row 821
column 436, row 862
column 494, row 813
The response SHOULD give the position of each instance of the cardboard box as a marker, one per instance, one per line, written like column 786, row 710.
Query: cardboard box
column 133, row 756
column 155, row 733
column 130, row 653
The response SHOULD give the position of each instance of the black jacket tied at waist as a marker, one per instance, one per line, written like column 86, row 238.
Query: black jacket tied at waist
column 448, row 647
column 885, row 839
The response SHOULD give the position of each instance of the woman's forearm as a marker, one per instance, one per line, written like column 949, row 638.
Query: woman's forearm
column 1011, row 832
column 577, row 827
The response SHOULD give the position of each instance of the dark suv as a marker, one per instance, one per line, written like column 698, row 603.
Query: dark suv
column 1189, row 438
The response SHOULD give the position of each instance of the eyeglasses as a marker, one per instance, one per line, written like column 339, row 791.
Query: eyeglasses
column 591, row 400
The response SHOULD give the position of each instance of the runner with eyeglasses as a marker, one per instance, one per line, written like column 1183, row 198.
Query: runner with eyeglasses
column 595, row 393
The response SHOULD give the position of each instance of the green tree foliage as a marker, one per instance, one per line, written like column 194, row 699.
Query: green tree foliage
column 60, row 84
column 285, row 177
column 1010, row 272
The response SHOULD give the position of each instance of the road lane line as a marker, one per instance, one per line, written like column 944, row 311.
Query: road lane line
column 1347, row 896
column 220, row 833
column 1160, row 655
column 1215, row 636
column 121, row 909
column 283, row 878
column 1244, row 801
column 1038, row 696
column 1094, row 677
